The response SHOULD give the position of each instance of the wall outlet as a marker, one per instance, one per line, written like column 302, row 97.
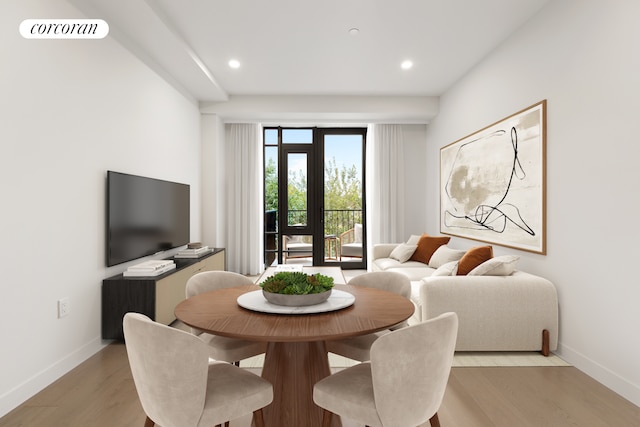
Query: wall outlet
column 64, row 307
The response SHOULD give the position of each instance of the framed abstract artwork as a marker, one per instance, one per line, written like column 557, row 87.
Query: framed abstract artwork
column 493, row 183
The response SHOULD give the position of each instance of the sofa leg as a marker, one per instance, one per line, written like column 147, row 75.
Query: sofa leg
column 545, row 343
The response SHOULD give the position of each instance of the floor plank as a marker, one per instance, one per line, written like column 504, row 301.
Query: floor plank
column 100, row 393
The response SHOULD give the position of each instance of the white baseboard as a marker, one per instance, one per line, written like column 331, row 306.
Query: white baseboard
column 18, row 395
column 603, row 375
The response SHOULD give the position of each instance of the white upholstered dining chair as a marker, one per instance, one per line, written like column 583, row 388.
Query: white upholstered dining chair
column 404, row 383
column 179, row 386
column 357, row 348
column 222, row 348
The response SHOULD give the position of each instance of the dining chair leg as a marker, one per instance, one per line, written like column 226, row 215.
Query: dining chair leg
column 258, row 418
column 434, row 421
column 226, row 424
column 326, row 418
column 149, row 422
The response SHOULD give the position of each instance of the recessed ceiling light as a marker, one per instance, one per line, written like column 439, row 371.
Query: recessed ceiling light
column 354, row 31
column 406, row 65
column 234, row 63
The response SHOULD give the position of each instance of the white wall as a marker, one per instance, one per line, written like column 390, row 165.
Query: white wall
column 70, row 110
column 583, row 57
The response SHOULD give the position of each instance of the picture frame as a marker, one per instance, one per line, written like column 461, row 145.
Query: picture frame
column 493, row 183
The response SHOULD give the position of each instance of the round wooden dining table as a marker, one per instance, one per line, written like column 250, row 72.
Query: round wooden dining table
column 296, row 356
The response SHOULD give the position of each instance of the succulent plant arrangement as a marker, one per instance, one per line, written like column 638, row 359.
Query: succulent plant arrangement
column 297, row 283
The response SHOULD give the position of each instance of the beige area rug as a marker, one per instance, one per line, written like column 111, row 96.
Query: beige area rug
column 505, row 358
column 461, row 359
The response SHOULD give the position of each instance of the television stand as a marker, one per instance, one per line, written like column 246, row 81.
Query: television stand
column 155, row 296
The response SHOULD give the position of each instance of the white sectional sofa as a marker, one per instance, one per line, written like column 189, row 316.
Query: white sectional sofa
column 501, row 310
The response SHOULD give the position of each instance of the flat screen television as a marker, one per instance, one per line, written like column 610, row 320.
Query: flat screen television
column 144, row 216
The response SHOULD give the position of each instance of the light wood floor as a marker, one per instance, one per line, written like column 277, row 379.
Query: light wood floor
column 100, row 393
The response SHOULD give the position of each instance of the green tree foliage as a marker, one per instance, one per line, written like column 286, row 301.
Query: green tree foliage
column 270, row 186
column 343, row 191
column 297, row 191
column 342, row 187
column 342, row 197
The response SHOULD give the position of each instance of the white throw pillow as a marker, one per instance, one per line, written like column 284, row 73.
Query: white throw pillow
column 357, row 233
column 443, row 255
column 413, row 240
column 403, row 252
column 448, row 269
column 498, row 266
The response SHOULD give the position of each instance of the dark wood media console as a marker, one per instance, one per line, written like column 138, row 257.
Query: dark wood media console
column 155, row 297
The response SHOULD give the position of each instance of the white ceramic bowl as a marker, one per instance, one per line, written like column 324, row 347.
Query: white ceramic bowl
column 296, row 300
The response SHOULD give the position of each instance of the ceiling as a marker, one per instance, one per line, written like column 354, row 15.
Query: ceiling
column 303, row 47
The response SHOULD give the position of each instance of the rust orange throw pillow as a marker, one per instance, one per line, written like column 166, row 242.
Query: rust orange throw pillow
column 427, row 245
column 473, row 258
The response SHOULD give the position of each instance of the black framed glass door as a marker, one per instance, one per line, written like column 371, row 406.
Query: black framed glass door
column 314, row 196
column 343, row 189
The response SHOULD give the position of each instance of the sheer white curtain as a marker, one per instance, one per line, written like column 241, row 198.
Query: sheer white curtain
column 245, row 209
column 385, row 188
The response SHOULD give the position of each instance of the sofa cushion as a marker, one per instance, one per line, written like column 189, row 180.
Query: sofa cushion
column 448, row 269
column 357, row 233
column 443, row 255
column 427, row 245
column 413, row 239
column 351, row 249
column 386, row 263
column 299, row 249
column 499, row 266
column 403, row 252
column 473, row 258
column 414, row 274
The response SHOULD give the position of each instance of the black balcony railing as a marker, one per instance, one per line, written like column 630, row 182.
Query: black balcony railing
column 336, row 221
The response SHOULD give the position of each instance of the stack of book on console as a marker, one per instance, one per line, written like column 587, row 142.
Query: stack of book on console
column 150, row 268
column 194, row 250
